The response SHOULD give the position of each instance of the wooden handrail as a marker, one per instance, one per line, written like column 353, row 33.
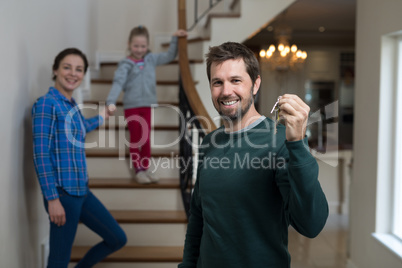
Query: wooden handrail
column 186, row 78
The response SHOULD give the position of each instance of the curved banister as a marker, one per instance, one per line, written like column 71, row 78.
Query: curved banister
column 195, row 121
column 186, row 78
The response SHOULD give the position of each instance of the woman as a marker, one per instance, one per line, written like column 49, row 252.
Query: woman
column 59, row 131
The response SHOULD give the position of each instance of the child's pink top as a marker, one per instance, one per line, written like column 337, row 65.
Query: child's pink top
column 140, row 62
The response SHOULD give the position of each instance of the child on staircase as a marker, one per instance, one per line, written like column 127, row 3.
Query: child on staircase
column 135, row 75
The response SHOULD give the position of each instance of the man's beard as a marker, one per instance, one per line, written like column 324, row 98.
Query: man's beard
column 239, row 113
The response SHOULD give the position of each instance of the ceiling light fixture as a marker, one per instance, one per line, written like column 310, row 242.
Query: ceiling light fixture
column 283, row 56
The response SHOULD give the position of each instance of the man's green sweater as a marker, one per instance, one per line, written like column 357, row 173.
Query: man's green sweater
column 250, row 187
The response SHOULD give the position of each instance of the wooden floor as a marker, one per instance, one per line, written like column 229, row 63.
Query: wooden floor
column 327, row 250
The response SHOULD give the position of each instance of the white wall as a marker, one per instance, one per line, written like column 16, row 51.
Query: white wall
column 374, row 19
column 115, row 19
column 32, row 33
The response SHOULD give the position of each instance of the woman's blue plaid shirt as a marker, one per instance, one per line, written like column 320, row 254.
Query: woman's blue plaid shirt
column 59, row 131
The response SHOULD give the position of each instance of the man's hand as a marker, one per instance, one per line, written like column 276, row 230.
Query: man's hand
column 56, row 212
column 294, row 115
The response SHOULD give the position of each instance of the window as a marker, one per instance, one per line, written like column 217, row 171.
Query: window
column 397, row 194
column 389, row 175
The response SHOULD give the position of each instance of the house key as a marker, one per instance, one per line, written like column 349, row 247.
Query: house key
column 276, row 110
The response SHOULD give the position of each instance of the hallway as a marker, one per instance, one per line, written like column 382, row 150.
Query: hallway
column 327, row 250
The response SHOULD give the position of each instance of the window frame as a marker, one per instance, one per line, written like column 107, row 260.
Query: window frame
column 389, row 128
column 396, row 228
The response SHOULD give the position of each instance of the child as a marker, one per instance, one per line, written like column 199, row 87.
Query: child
column 136, row 76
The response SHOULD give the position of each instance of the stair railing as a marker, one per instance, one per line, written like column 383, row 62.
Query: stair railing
column 197, row 18
column 195, row 121
column 192, row 135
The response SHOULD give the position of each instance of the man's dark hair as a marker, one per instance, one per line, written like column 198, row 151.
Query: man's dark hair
column 65, row 53
column 233, row 51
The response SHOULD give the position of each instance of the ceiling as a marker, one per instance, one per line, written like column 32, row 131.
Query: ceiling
column 305, row 17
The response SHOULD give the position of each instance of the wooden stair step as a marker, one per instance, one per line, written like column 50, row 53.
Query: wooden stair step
column 220, row 15
column 165, row 183
column 159, row 82
column 120, row 103
column 135, row 254
column 149, row 216
column 115, row 153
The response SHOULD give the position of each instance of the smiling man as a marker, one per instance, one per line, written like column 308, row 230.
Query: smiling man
column 233, row 91
column 252, row 181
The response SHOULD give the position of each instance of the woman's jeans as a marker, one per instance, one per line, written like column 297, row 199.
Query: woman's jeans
column 90, row 211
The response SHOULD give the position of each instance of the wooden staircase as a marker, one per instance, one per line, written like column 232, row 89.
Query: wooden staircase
column 152, row 215
column 139, row 256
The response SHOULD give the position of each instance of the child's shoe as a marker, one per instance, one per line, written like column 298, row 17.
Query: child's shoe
column 152, row 176
column 142, row 177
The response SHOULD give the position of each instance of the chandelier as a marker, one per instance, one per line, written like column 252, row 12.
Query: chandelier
column 283, row 56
